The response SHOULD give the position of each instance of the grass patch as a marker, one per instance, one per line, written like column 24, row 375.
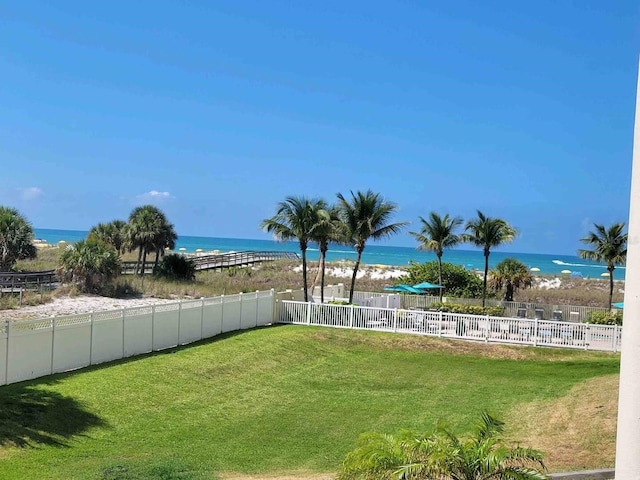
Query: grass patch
column 273, row 400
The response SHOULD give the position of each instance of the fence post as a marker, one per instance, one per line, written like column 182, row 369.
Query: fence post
column 351, row 316
column 241, row 300
column 179, row 320
column 308, row 313
column 535, row 332
column 6, row 360
column 274, row 307
column 124, row 313
column 257, row 306
column 91, row 338
column 440, row 323
column 53, row 341
column 587, row 336
column 221, row 313
column 202, row 319
column 615, row 336
column 486, row 330
column 153, row 326
column 395, row 317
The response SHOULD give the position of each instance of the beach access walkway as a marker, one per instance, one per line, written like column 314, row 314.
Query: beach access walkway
column 218, row 261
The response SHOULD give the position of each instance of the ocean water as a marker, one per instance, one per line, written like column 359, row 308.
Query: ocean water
column 374, row 254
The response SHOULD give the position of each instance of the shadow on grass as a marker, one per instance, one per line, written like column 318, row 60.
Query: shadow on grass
column 31, row 415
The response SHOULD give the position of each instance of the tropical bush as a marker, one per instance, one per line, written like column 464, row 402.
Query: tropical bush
column 605, row 318
column 494, row 311
column 442, row 455
column 457, row 281
column 16, row 238
column 89, row 264
column 176, row 267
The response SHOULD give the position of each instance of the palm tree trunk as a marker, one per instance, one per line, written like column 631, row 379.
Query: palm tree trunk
column 155, row 264
column 323, row 255
column 138, row 262
column 144, row 261
column 610, row 268
column 486, row 272
column 353, row 277
column 440, row 275
column 305, row 285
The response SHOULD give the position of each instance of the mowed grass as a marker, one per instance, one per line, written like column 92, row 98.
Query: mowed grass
column 273, row 401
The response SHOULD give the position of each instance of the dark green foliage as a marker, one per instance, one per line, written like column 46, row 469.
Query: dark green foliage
column 90, row 264
column 176, row 267
column 605, row 318
column 16, row 238
column 457, row 281
column 495, row 311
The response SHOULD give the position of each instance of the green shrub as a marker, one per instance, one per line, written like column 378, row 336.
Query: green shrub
column 605, row 318
column 176, row 267
column 338, row 302
column 493, row 311
column 456, row 280
column 89, row 264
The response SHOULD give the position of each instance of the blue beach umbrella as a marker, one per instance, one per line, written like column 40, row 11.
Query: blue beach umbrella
column 618, row 305
column 427, row 286
column 404, row 288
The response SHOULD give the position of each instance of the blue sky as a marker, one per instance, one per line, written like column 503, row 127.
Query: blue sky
column 215, row 111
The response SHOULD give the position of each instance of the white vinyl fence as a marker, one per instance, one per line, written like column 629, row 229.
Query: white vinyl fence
column 34, row 348
column 535, row 332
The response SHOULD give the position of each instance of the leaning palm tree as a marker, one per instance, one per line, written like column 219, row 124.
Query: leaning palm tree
column 436, row 234
column 442, row 455
column 325, row 230
column 366, row 216
column 295, row 218
column 486, row 233
column 512, row 275
column 609, row 246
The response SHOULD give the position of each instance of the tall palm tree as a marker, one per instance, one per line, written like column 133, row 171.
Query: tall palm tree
column 166, row 238
column 296, row 218
column 366, row 216
column 325, row 230
column 143, row 229
column 112, row 233
column 609, row 246
column 512, row 275
column 442, row 455
column 486, row 233
column 436, row 234
column 16, row 238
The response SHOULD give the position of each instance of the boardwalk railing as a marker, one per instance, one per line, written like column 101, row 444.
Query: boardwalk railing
column 34, row 348
column 220, row 260
column 16, row 281
column 451, row 325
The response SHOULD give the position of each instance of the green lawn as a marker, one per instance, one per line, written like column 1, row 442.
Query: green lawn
column 277, row 399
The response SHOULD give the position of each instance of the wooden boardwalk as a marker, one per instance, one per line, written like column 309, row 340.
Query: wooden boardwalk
column 216, row 261
column 11, row 282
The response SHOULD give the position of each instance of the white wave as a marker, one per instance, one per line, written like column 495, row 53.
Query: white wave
column 560, row 262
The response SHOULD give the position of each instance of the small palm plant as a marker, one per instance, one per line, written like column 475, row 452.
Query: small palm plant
column 442, row 455
column 609, row 246
column 510, row 275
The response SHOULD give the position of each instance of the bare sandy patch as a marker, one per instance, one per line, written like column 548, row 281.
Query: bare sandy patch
column 576, row 431
column 75, row 305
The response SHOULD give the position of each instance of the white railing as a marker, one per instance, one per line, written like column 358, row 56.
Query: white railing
column 34, row 348
column 452, row 325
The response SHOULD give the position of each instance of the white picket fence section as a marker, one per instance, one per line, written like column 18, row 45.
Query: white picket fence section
column 34, row 348
column 523, row 331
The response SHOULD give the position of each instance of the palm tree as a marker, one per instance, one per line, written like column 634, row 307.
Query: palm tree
column 90, row 264
column 142, row 232
column 366, row 216
column 296, row 218
column 512, row 275
column 16, row 238
column 436, row 234
column 442, row 455
column 325, row 230
column 486, row 233
column 112, row 233
column 609, row 246
column 166, row 238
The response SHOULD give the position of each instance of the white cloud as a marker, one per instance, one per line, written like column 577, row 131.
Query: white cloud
column 31, row 193
column 153, row 196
